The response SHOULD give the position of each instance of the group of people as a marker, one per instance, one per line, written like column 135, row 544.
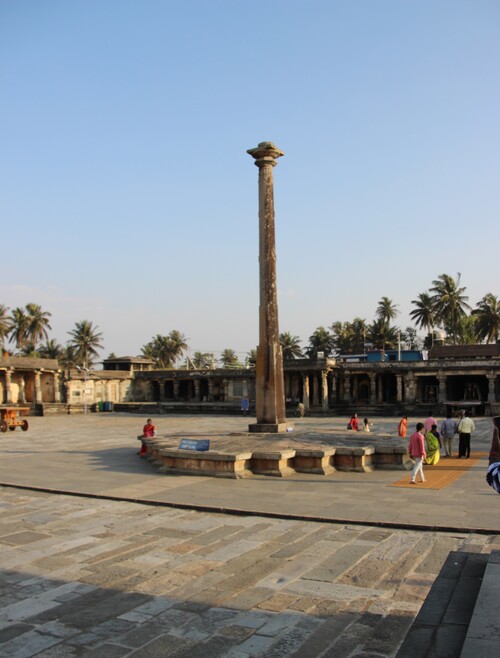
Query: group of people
column 353, row 424
column 427, row 442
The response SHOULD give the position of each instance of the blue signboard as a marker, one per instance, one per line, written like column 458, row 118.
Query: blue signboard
column 195, row 444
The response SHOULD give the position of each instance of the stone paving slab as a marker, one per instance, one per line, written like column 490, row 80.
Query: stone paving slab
column 292, row 572
column 96, row 455
column 110, row 578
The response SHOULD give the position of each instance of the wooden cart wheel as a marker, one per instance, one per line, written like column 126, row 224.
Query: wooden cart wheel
column 12, row 427
column 3, row 426
column 25, row 426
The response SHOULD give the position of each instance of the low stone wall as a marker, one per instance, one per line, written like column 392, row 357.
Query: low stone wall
column 275, row 463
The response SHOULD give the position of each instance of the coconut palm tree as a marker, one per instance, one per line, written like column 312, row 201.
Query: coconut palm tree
column 386, row 310
column 160, row 349
column 51, row 349
column 423, row 315
column 251, row 358
column 349, row 337
column 343, row 337
column 178, row 344
column 229, row 359
column 290, row 346
column 67, row 359
column 487, row 314
column 4, row 324
column 202, row 360
column 466, row 332
column 18, row 325
column 450, row 303
column 320, row 341
column 37, row 323
column 85, row 342
column 382, row 335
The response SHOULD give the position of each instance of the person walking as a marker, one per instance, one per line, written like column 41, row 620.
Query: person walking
column 449, row 428
column 403, row 426
column 465, row 428
column 416, row 449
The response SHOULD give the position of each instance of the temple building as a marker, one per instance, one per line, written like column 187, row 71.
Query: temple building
column 376, row 383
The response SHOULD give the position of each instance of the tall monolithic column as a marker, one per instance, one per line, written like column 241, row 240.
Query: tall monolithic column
column 269, row 381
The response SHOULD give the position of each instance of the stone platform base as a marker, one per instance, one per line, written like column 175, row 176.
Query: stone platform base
column 238, row 456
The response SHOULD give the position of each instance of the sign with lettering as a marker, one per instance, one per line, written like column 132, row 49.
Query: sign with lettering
column 194, row 444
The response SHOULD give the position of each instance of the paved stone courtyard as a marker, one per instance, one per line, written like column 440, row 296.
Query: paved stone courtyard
column 94, row 577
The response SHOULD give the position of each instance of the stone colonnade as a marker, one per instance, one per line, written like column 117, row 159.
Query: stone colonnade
column 29, row 386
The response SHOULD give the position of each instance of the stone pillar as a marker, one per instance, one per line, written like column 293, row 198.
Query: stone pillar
column 399, row 388
column 197, row 390
column 333, row 392
column 324, row 390
column 38, row 387
column 491, row 387
column 380, row 398
column 57, row 387
column 176, row 389
column 225, row 389
column 22, row 392
column 8, row 386
column 305, row 391
column 269, row 381
column 373, row 387
column 315, row 390
column 355, row 388
column 410, row 392
column 442, row 388
column 210, row 390
column 347, row 388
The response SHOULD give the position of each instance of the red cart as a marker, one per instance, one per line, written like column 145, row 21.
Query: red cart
column 10, row 418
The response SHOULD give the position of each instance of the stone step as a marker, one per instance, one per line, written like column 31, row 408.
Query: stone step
column 441, row 626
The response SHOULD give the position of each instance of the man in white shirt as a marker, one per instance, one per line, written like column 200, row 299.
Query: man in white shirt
column 465, row 428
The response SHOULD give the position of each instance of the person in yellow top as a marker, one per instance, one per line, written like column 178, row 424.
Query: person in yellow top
column 465, row 428
column 433, row 443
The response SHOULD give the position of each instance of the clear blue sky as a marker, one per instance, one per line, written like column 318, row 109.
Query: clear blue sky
column 127, row 197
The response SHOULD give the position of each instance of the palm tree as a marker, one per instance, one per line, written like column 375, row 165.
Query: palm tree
column 161, row 350
column 251, row 358
column 37, row 323
column 467, row 330
column 386, row 310
column 201, row 360
column 51, row 350
column 290, row 346
column 320, row 341
column 229, row 359
column 68, row 359
column 449, row 303
column 85, row 341
column 343, row 337
column 178, row 344
column 4, row 324
column 423, row 315
column 18, row 324
column 349, row 337
column 487, row 316
column 382, row 335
